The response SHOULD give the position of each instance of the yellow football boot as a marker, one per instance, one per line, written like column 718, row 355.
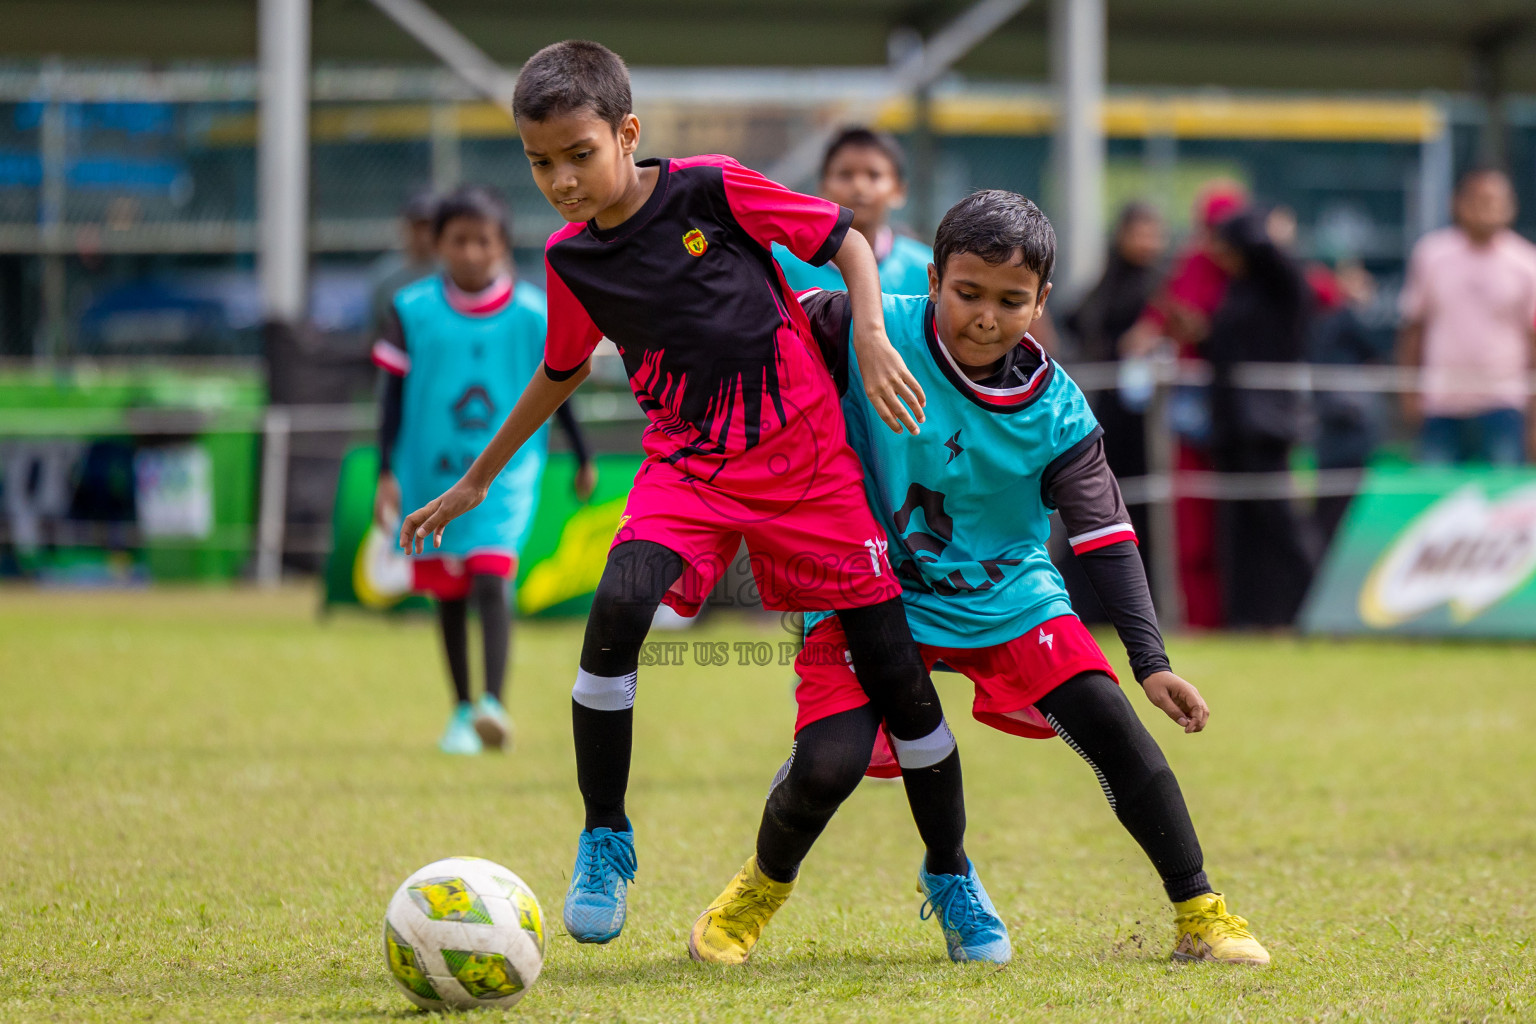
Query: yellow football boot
column 727, row 931
column 1208, row 932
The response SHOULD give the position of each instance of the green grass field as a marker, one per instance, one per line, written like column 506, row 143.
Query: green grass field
column 206, row 799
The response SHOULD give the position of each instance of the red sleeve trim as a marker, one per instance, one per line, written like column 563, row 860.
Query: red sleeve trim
column 391, row 359
column 1104, row 538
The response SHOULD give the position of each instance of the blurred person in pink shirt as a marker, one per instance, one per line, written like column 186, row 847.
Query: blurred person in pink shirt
column 1468, row 311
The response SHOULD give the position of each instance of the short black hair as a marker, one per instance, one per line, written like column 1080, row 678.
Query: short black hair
column 1000, row 227
column 861, row 137
column 421, row 207
column 1476, row 171
column 569, row 76
column 479, row 202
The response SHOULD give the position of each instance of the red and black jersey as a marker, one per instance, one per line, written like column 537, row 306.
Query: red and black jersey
column 718, row 352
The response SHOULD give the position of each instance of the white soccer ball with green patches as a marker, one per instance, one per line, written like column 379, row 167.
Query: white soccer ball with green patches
column 463, row 933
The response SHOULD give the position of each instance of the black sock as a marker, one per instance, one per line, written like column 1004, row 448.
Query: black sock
column 938, row 807
column 451, row 617
column 824, row 767
column 1096, row 719
column 636, row 576
column 604, row 740
column 490, row 596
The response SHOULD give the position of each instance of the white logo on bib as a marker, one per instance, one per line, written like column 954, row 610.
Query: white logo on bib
column 876, row 550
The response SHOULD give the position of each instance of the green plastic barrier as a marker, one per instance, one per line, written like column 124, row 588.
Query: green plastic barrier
column 92, row 405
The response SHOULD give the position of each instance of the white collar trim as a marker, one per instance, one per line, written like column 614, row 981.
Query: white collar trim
column 1034, row 378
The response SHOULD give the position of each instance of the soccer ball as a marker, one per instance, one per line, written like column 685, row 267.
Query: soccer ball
column 463, row 933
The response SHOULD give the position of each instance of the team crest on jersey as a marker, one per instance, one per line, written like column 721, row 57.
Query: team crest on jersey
column 695, row 242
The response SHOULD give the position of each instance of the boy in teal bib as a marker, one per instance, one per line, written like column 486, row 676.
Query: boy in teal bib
column 457, row 349
column 865, row 171
column 1008, row 440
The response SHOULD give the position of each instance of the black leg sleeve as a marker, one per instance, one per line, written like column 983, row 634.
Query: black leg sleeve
column 1096, row 719
column 451, row 618
column 890, row 668
column 824, row 767
column 638, row 573
column 490, row 596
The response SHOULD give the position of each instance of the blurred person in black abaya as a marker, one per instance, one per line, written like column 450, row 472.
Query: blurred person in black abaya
column 1349, row 423
column 1106, row 313
column 1263, row 318
column 1131, row 275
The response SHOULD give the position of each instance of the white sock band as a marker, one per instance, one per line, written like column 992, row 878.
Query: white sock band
column 604, row 693
column 928, row 750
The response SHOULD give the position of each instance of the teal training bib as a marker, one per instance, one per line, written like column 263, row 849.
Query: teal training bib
column 465, row 374
column 961, row 502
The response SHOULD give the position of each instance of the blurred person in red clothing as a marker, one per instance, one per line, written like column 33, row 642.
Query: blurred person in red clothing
column 1181, row 311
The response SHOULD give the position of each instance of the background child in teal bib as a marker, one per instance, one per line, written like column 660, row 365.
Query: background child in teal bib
column 457, row 349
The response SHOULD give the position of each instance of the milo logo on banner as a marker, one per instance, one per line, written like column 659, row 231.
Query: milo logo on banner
column 1465, row 552
column 1436, row 552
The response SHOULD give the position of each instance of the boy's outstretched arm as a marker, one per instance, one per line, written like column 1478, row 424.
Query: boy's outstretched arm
column 896, row 395
column 1081, row 486
column 537, row 403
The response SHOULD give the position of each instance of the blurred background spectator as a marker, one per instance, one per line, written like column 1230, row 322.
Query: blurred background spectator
column 1181, row 312
column 415, row 259
column 1469, row 319
column 1262, row 318
column 1348, row 423
column 1100, row 324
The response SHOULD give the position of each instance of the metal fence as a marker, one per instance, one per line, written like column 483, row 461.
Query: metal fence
column 268, row 538
column 128, row 198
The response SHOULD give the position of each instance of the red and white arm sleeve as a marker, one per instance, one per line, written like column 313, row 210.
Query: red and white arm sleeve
column 1085, row 492
column 389, row 349
column 1080, row 485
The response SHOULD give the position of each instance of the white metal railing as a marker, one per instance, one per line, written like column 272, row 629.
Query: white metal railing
column 1157, row 489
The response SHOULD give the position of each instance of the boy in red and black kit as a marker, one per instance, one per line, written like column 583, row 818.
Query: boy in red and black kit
column 670, row 259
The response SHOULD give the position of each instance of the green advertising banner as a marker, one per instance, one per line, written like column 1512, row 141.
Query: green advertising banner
column 561, row 561
column 1432, row 552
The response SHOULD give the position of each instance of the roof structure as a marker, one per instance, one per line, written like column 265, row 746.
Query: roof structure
column 1323, row 45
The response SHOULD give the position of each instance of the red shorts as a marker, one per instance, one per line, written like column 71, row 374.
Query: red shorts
column 447, row 578
column 1009, row 677
column 812, row 554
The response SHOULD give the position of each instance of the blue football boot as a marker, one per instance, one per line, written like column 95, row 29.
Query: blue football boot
column 595, row 902
column 460, row 737
column 972, row 929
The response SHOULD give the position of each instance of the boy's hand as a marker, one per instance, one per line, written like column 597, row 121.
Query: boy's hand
column 436, row 514
column 1179, row 700
column 890, row 387
column 586, row 481
column 386, row 500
